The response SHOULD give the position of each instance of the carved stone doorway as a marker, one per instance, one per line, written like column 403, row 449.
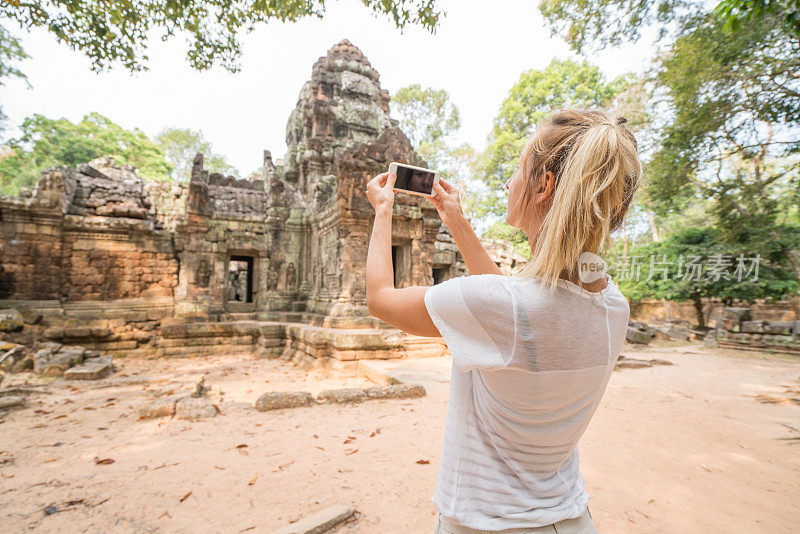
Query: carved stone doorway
column 239, row 282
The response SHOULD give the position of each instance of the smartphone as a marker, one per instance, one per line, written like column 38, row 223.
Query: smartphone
column 414, row 180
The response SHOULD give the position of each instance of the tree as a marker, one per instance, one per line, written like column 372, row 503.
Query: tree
column 734, row 12
column 180, row 145
column 729, row 96
column 592, row 24
column 431, row 121
column 697, row 265
column 11, row 52
column 426, row 115
column 563, row 83
column 118, row 32
column 46, row 143
column 518, row 238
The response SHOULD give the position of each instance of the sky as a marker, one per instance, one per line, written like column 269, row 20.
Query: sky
column 477, row 54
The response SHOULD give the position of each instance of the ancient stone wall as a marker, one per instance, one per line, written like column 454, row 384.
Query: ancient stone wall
column 735, row 328
column 84, row 235
column 659, row 311
column 274, row 264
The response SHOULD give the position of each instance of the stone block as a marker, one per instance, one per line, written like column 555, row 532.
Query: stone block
column 732, row 325
column 737, row 315
column 319, row 522
column 672, row 332
column 10, row 357
column 204, row 350
column 204, row 341
column 29, row 315
column 11, row 401
column 54, row 332
column 11, row 320
column 40, row 359
column 400, row 391
column 141, row 336
column 631, row 363
column 753, row 327
column 277, row 400
column 783, row 328
column 195, row 408
column 637, row 336
column 360, row 341
column 164, row 407
column 57, row 364
column 115, row 323
column 93, row 369
column 25, row 364
column 115, row 345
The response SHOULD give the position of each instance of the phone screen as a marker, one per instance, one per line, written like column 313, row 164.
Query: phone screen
column 414, row 180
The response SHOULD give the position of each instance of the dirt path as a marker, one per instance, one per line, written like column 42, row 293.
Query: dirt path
column 681, row 448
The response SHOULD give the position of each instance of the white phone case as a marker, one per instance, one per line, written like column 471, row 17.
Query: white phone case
column 393, row 169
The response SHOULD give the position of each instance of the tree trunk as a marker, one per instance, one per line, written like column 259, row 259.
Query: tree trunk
column 698, row 309
column 653, row 228
column 794, row 260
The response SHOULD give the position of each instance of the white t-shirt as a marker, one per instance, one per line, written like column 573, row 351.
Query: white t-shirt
column 529, row 369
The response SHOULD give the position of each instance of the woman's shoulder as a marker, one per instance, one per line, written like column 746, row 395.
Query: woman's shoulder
column 486, row 281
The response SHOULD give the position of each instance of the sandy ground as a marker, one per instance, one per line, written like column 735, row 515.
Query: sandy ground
column 699, row 446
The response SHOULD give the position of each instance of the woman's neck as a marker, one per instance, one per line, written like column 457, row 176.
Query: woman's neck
column 593, row 287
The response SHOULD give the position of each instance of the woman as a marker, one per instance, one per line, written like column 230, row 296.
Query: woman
column 532, row 353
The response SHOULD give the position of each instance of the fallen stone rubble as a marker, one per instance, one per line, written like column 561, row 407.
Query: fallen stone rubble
column 25, row 351
column 52, row 359
column 641, row 333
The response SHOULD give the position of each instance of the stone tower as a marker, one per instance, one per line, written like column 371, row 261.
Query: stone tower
column 339, row 136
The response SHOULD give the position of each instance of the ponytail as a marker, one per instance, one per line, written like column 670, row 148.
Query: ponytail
column 594, row 160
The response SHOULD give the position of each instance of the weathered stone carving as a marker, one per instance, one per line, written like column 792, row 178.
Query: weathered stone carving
column 291, row 239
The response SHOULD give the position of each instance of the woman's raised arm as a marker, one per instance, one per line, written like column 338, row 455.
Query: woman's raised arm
column 448, row 204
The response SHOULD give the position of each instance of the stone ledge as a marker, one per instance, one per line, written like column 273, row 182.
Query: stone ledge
column 277, row 400
column 399, row 391
column 319, row 522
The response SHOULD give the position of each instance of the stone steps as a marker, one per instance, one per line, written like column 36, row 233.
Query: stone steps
column 205, row 350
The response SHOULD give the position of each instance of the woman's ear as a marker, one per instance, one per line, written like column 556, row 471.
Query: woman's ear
column 547, row 187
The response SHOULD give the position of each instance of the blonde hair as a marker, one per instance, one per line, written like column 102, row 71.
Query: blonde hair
column 593, row 157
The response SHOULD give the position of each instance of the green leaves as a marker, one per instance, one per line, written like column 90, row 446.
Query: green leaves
column 592, row 24
column 426, row 115
column 735, row 12
column 46, row 143
column 698, row 263
column 180, row 145
column 112, row 33
column 733, row 99
column 562, row 84
column 11, row 52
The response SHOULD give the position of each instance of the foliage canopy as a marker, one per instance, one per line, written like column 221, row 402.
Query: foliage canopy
column 180, row 145
column 46, row 143
column 118, row 32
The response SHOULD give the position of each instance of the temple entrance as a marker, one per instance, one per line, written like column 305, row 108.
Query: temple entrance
column 438, row 275
column 401, row 263
column 239, row 284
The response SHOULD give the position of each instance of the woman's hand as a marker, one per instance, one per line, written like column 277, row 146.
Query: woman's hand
column 379, row 192
column 447, row 202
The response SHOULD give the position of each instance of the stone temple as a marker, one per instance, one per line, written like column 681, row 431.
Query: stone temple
column 274, row 265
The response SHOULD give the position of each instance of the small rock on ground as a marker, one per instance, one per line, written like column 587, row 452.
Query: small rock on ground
column 11, row 401
column 194, row 408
